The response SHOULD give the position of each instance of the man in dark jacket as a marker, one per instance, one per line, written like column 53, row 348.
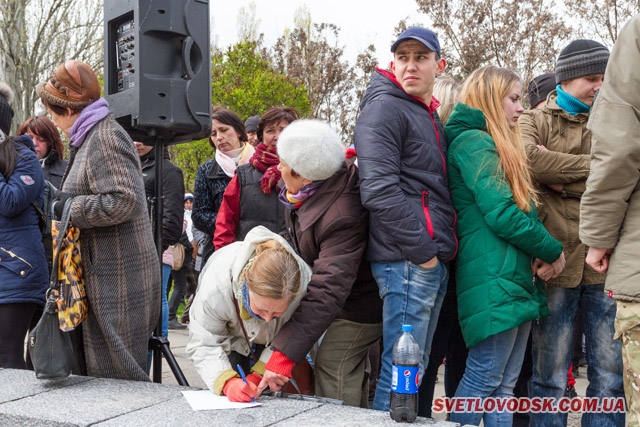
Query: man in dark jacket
column 172, row 212
column 328, row 228
column 401, row 156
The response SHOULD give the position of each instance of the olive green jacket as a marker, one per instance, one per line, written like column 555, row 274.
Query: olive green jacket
column 566, row 162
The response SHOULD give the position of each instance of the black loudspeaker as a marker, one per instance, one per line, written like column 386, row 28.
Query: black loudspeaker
column 157, row 68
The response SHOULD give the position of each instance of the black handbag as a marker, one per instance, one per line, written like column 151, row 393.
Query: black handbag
column 50, row 347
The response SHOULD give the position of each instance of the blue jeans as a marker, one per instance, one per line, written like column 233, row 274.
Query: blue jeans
column 552, row 352
column 411, row 295
column 493, row 366
column 166, row 271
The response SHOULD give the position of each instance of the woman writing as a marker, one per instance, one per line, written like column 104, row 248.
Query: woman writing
column 501, row 238
column 229, row 139
column 49, row 148
column 23, row 266
column 121, row 266
column 247, row 291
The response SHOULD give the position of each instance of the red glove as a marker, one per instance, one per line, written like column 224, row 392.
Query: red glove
column 254, row 378
column 237, row 391
column 280, row 364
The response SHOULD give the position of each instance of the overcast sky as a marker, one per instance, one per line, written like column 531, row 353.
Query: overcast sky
column 361, row 22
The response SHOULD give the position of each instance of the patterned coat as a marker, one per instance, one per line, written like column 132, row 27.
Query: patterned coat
column 121, row 266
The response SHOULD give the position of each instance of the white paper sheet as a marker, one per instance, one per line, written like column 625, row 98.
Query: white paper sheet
column 206, row 400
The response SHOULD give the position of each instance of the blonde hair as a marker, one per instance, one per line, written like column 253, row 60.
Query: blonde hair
column 484, row 89
column 274, row 272
column 446, row 90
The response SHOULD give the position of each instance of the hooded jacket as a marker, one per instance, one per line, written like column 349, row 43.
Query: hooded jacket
column 403, row 180
column 24, row 276
column 498, row 241
column 566, row 162
column 214, row 326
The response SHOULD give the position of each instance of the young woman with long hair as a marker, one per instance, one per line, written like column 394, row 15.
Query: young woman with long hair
column 503, row 246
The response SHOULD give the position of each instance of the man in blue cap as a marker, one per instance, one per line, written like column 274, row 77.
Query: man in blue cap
column 401, row 149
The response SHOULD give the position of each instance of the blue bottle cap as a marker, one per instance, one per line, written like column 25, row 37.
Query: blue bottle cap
column 407, row 328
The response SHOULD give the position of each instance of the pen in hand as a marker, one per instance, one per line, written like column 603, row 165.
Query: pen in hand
column 244, row 378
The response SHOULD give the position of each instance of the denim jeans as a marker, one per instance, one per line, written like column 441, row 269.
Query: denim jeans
column 411, row 295
column 493, row 366
column 166, row 271
column 552, row 338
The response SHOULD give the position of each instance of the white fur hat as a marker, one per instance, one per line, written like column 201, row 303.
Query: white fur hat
column 311, row 148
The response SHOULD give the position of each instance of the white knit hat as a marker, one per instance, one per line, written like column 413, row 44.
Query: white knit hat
column 311, row 148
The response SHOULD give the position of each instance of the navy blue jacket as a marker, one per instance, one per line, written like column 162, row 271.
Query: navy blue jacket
column 402, row 153
column 24, row 274
column 211, row 181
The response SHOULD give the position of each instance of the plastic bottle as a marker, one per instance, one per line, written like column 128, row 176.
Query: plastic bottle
column 404, row 377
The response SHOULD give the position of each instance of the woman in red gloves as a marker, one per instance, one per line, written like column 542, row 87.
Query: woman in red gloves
column 247, row 291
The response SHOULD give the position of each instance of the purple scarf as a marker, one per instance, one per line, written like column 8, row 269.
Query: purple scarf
column 294, row 201
column 89, row 116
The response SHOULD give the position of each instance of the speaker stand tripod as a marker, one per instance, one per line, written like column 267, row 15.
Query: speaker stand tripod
column 158, row 344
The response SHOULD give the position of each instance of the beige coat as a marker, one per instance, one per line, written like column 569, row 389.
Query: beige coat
column 610, row 210
column 214, row 327
column 566, row 162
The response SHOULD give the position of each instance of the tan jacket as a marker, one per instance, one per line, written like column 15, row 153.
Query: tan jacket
column 610, row 211
column 566, row 162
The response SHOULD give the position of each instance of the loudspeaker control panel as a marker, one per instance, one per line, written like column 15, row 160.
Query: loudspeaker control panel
column 125, row 53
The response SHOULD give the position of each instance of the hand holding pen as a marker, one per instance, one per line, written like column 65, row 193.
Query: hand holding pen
column 242, row 390
column 247, row 382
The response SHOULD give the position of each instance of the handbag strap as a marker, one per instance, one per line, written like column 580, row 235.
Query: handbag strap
column 64, row 225
column 244, row 331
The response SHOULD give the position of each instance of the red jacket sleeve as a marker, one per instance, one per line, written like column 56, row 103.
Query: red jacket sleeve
column 228, row 215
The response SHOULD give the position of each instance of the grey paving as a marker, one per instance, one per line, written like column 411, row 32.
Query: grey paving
column 85, row 401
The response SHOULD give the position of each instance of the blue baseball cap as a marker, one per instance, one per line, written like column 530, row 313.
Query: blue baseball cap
column 423, row 35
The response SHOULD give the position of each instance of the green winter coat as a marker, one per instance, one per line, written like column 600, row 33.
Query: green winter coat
column 498, row 241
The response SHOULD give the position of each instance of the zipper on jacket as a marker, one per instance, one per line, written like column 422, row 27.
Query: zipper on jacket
column 427, row 214
column 12, row 255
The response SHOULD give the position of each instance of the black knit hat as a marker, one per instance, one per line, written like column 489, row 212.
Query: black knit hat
column 6, row 112
column 540, row 87
column 581, row 58
column 251, row 125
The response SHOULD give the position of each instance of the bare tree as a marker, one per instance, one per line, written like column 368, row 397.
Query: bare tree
column 602, row 19
column 38, row 35
column 248, row 24
column 522, row 35
column 311, row 55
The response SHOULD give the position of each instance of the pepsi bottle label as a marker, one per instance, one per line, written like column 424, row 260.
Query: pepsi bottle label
column 404, row 379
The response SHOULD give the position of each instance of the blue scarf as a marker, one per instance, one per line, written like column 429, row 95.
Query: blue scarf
column 89, row 116
column 246, row 303
column 570, row 104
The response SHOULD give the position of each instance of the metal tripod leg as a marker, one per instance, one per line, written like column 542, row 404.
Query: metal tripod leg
column 157, row 343
column 160, row 346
